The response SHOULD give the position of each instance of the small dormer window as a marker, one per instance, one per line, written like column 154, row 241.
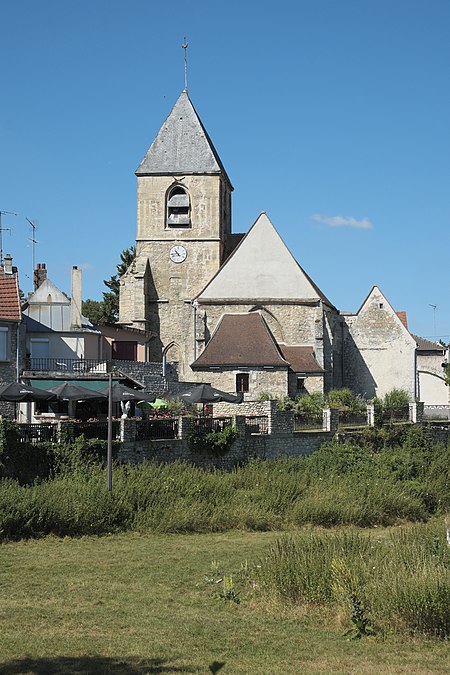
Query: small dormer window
column 178, row 208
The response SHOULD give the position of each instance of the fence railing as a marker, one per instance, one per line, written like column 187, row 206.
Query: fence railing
column 256, row 424
column 348, row 418
column 207, row 425
column 35, row 433
column 66, row 365
column 157, row 429
column 308, row 421
column 96, row 430
column 396, row 415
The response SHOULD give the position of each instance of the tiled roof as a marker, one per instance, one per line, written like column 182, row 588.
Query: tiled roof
column 403, row 318
column 427, row 345
column 302, row 359
column 9, row 297
column 241, row 340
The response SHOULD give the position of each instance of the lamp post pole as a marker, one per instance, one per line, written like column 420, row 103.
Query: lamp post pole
column 109, row 451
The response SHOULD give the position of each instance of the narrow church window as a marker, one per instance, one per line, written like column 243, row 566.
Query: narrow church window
column 178, row 208
column 300, row 389
column 242, row 383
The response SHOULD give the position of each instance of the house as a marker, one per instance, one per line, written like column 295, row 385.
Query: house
column 63, row 345
column 11, row 331
column 237, row 310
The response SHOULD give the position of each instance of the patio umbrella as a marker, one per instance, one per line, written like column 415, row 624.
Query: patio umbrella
column 68, row 391
column 122, row 393
column 15, row 392
column 204, row 393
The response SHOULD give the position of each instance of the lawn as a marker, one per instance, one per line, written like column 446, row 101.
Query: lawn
column 135, row 604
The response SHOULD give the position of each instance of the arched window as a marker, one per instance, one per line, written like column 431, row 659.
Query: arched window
column 178, row 207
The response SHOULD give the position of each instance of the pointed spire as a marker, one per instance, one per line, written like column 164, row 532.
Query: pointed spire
column 182, row 145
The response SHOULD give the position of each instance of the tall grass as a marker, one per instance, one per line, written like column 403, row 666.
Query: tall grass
column 338, row 484
column 401, row 583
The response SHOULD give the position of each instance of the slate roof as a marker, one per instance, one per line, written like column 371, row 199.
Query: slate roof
column 241, row 340
column 424, row 345
column 9, row 297
column 302, row 359
column 182, row 145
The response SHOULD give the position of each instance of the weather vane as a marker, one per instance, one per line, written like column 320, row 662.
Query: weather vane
column 185, row 46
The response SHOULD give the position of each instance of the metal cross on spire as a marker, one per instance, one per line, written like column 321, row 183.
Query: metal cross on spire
column 185, row 46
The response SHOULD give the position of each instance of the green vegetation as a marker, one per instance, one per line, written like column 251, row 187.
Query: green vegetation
column 400, row 583
column 215, row 443
column 107, row 310
column 139, row 604
column 281, row 595
column 402, row 477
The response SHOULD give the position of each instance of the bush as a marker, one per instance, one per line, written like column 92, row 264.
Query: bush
column 215, row 443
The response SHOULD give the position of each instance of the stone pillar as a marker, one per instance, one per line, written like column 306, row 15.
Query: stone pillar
column 184, row 426
column 127, row 430
column 416, row 412
column 330, row 419
column 370, row 415
column 239, row 422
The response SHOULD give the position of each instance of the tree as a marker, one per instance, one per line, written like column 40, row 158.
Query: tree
column 107, row 310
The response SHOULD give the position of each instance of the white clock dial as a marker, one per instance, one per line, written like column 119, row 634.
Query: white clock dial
column 178, row 254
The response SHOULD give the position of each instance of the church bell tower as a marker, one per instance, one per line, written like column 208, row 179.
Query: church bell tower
column 183, row 221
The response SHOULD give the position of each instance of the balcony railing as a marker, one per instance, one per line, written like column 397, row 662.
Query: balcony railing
column 66, row 365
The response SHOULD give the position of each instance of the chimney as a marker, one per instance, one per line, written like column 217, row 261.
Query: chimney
column 40, row 275
column 75, row 302
column 7, row 264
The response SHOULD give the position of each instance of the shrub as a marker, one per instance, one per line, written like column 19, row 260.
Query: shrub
column 215, row 443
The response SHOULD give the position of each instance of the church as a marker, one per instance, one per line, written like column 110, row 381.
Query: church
column 237, row 310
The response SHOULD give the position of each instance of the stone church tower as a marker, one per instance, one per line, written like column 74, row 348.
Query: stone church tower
column 183, row 234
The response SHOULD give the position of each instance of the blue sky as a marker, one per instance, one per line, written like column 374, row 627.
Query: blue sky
column 333, row 117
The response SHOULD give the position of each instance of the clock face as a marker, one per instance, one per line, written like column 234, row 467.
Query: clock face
column 178, row 254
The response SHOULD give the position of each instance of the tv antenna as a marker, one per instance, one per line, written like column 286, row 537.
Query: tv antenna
column 33, row 243
column 4, row 229
column 434, row 320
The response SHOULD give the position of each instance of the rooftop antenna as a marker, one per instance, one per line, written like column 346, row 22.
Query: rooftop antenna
column 33, row 243
column 185, row 46
column 4, row 229
column 434, row 319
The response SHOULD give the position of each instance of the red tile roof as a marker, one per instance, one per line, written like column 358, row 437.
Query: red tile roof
column 403, row 318
column 302, row 359
column 9, row 297
column 241, row 340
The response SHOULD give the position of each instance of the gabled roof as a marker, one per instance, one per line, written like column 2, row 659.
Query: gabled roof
column 182, row 145
column 262, row 268
column 9, row 297
column 49, row 310
column 241, row 340
column 301, row 359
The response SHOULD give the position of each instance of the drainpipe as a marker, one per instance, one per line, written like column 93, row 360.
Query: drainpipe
column 17, row 351
column 195, row 305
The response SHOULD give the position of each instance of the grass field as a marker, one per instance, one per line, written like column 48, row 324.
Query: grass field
column 134, row 604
